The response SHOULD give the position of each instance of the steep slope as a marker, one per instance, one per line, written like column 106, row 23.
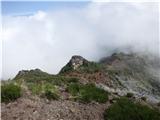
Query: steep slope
column 120, row 73
column 86, row 71
column 134, row 73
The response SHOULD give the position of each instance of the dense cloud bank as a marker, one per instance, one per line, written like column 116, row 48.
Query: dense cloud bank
column 47, row 39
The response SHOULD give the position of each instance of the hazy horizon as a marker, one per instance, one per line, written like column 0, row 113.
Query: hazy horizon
column 45, row 36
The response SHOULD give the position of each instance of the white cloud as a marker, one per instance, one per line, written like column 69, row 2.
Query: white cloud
column 47, row 40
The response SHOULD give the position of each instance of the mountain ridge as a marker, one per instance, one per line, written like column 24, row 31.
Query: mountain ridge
column 119, row 72
column 86, row 90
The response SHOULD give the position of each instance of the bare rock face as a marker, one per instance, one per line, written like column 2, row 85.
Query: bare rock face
column 76, row 61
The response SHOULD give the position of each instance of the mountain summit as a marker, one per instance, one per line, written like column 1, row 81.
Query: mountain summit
column 75, row 62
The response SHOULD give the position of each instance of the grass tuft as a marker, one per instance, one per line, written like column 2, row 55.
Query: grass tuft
column 10, row 92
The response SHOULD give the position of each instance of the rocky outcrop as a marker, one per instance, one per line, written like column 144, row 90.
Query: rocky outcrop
column 76, row 61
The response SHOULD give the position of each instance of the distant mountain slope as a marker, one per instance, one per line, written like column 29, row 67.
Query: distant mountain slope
column 134, row 73
column 120, row 73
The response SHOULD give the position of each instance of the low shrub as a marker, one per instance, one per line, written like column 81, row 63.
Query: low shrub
column 74, row 88
column 90, row 67
column 87, row 93
column 48, row 86
column 90, row 93
column 125, row 109
column 39, row 89
column 66, row 69
column 50, row 95
column 10, row 92
column 73, row 80
column 35, row 88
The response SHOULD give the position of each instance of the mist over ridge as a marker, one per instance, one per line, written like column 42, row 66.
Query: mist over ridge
column 48, row 39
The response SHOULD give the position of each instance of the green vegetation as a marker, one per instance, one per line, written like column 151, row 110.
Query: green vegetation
column 48, row 85
column 44, row 84
column 74, row 88
column 10, row 92
column 44, row 90
column 25, row 74
column 50, row 95
column 41, row 78
column 90, row 67
column 125, row 109
column 72, row 80
column 35, row 88
column 87, row 93
column 66, row 69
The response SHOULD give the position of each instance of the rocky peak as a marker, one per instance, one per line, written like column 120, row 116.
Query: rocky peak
column 77, row 61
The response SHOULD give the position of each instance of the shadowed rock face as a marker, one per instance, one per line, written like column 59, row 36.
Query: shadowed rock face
column 76, row 61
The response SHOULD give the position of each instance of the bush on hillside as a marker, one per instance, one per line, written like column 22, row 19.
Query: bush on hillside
column 50, row 95
column 66, row 69
column 90, row 67
column 125, row 109
column 87, row 93
column 35, row 88
column 10, row 92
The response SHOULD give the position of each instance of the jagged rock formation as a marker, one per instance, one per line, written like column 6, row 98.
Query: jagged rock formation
column 76, row 61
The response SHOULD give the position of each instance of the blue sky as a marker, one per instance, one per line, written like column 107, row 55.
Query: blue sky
column 22, row 8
